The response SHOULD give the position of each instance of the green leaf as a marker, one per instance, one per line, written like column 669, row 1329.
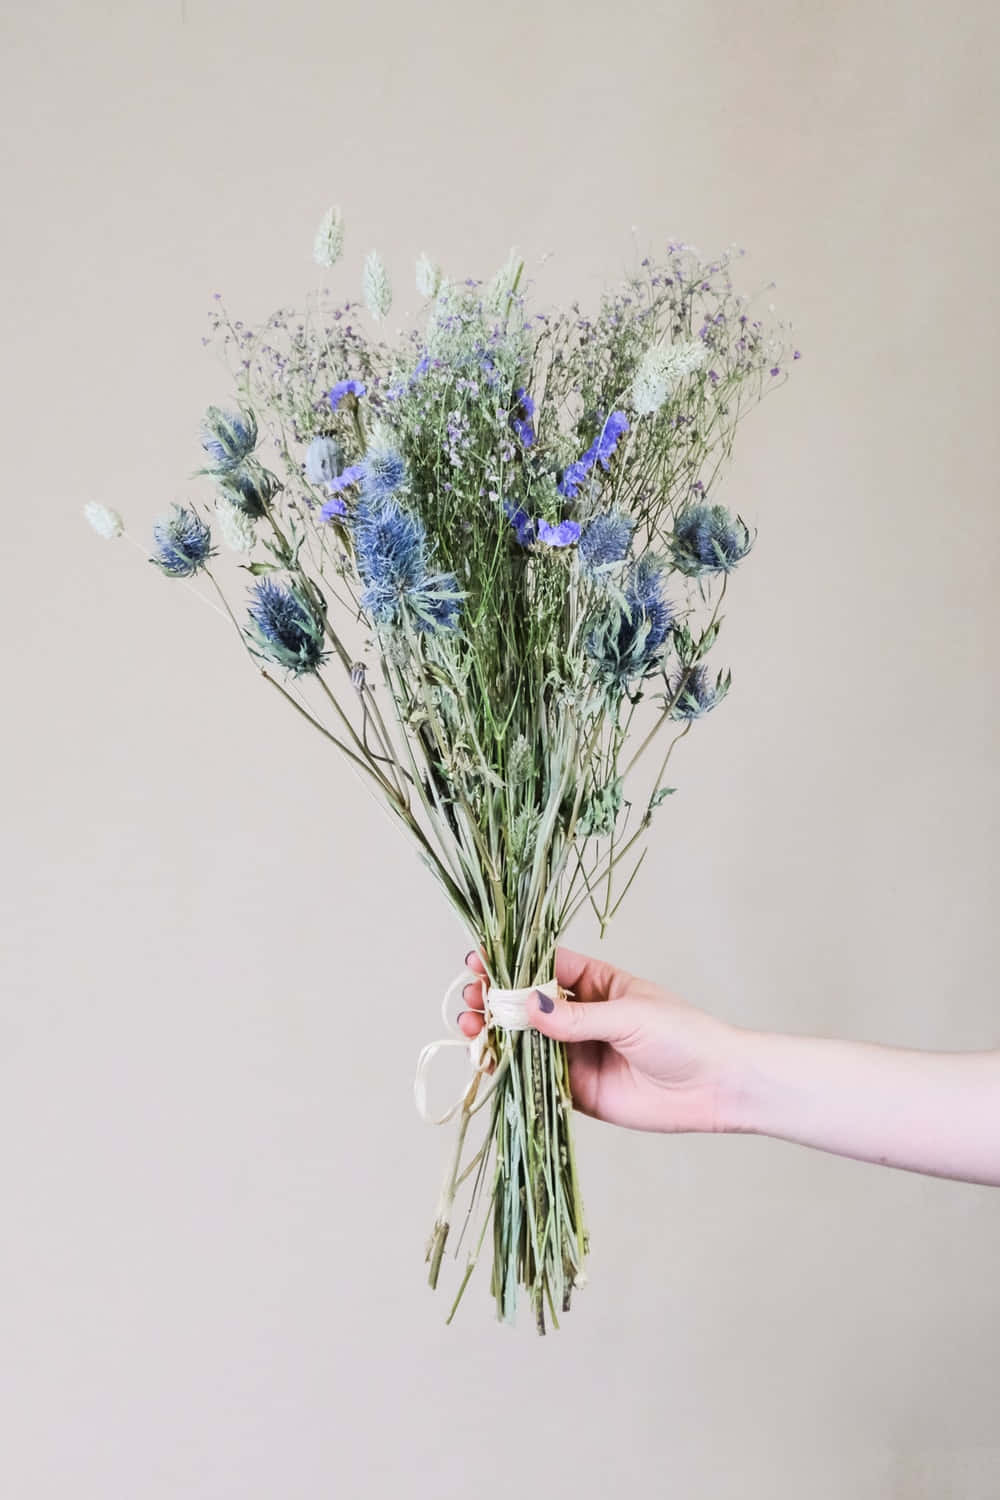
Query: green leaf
column 258, row 568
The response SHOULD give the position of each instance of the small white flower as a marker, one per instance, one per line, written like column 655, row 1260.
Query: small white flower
column 428, row 277
column 329, row 242
column 375, row 284
column 661, row 370
column 235, row 526
column 107, row 523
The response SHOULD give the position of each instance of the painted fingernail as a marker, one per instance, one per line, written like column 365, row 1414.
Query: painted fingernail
column 473, row 987
column 469, row 957
column 545, row 1002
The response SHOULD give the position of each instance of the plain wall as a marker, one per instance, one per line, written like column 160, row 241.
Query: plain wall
column 220, row 961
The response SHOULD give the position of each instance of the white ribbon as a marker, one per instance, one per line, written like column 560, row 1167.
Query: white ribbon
column 507, row 1009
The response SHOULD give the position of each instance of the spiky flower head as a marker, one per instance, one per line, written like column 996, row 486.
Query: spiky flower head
column 375, row 286
column 329, row 243
column 106, row 522
column 228, row 437
column 324, row 460
column 284, row 627
column 384, row 466
column 693, row 693
column 235, row 527
column 661, row 370
column 627, row 638
column 390, row 545
column 182, row 542
column 707, row 539
column 605, row 541
column 428, row 276
column 250, row 486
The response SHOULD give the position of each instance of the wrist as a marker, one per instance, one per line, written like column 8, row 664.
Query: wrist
column 743, row 1088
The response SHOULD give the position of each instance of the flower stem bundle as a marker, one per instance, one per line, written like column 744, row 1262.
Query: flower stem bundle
column 486, row 562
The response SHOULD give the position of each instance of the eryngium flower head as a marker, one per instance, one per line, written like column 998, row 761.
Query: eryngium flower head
column 284, row 627
column 375, row 286
column 693, row 693
column 228, row 437
column 384, row 468
column 106, row 522
column 329, row 243
column 661, row 370
column 708, row 540
column 627, row 639
column 324, row 460
column 391, row 550
column 250, row 486
column 235, row 526
column 183, row 543
column 605, row 540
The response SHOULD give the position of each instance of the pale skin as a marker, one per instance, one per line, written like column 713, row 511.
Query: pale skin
column 643, row 1058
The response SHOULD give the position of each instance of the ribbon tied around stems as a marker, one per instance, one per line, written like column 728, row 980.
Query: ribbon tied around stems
column 507, row 1009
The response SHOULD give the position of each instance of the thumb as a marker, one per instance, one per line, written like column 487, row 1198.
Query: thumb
column 565, row 1020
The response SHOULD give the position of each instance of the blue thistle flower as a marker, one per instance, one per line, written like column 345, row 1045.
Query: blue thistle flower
column 627, row 637
column 324, row 460
column 708, row 540
column 183, row 543
column 384, row 472
column 284, row 627
column 604, row 541
column 692, row 693
column 599, row 452
column 228, row 437
column 390, row 545
column 249, row 486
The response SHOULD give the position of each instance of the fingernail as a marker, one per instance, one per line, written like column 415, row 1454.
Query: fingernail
column 469, row 956
column 473, row 986
column 545, row 1002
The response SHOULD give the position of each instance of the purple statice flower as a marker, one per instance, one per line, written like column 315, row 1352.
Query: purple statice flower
column 520, row 417
column 344, row 388
column 564, row 534
column 333, row 508
column 182, row 542
column 353, row 474
column 525, row 527
column 599, row 452
column 604, row 541
column 284, row 627
column 605, row 444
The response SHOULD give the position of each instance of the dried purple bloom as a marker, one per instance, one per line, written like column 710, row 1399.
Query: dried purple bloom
column 562, row 535
column 344, row 388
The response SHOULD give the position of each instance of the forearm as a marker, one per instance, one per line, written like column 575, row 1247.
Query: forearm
column 933, row 1112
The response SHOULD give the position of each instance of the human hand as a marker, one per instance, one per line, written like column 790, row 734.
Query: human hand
column 638, row 1056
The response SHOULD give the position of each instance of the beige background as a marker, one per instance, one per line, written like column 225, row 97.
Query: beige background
column 220, row 963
